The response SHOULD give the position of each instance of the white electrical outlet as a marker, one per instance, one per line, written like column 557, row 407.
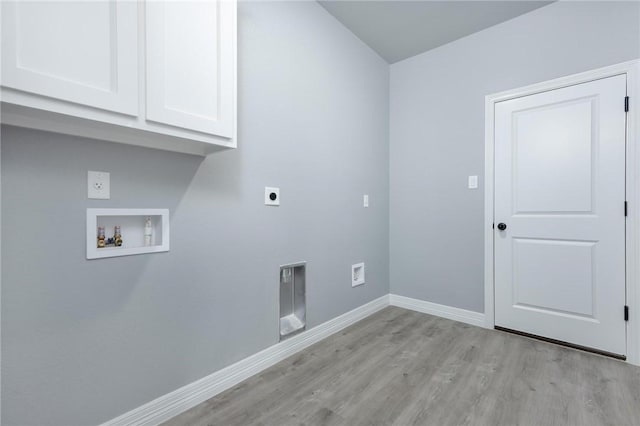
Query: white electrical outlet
column 365, row 200
column 271, row 196
column 99, row 185
column 357, row 274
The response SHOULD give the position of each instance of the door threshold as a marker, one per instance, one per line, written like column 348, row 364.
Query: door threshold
column 562, row 343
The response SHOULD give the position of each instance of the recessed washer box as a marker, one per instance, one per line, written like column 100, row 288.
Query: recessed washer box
column 132, row 229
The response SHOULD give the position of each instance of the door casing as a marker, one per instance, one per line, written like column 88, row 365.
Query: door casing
column 632, row 71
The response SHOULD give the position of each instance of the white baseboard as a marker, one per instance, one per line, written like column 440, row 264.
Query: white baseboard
column 180, row 400
column 170, row 405
column 456, row 314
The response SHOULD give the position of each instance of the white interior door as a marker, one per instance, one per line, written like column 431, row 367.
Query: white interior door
column 560, row 192
column 81, row 52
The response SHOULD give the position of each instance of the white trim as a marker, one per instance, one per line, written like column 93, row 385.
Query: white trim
column 449, row 312
column 99, row 253
column 632, row 70
column 488, row 213
column 0, row 272
column 180, row 400
column 633, row 218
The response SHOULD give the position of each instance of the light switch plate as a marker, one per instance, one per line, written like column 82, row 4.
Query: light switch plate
column 98, row 185
column 473, row 182
column 271, row 196
column 365, row 200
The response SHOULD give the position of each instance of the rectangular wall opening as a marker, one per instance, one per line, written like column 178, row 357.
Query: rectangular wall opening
column 293, row 309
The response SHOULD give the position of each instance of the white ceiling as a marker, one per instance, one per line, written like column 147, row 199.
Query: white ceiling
column 400, row 29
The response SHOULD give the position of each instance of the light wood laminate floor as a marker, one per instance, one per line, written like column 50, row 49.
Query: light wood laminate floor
column 406, row 368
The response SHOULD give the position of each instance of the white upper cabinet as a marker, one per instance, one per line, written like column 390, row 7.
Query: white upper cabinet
column 154, row 73
column 186, row 84
column 81, row 52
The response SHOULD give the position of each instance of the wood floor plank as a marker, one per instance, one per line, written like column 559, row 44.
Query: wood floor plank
column 399, row 367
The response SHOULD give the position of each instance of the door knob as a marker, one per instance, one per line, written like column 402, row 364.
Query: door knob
column 502, row 226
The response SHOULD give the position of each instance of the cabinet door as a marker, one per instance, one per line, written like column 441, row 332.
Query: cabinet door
column 80, row 52
column 190, row 48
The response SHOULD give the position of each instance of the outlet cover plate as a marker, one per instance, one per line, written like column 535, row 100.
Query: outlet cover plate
column 473, row 182
column 357, row 274
column 271, row 196
column 98, row 185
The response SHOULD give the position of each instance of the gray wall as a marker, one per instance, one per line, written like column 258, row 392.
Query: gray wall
column 437, row 134
column 85, row 341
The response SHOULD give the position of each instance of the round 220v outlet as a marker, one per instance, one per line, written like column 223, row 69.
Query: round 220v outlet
column 271, row 196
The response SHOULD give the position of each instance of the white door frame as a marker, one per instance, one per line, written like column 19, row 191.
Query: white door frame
column 632, row 70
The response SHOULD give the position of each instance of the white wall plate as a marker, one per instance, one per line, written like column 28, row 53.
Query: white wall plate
column 98, row 185
column 271, row 196
column 357, row 274
column 473, row 182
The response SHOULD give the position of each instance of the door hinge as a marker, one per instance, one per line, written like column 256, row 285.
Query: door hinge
column 626, row 209
column 626, row 104
column 626, row 313
column 493, row 225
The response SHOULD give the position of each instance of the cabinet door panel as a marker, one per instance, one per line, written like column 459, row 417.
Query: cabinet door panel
column 191, row 64
column 80, row 52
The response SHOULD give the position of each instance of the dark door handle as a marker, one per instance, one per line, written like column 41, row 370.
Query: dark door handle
column 502, row 226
